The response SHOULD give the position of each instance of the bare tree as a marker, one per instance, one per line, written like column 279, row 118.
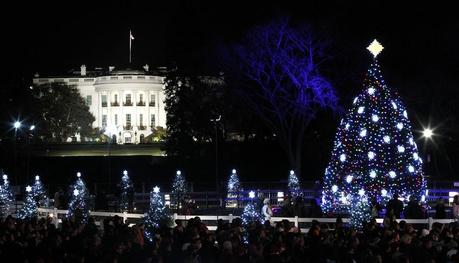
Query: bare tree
column 283, row 83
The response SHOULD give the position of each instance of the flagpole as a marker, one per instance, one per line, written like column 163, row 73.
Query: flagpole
column 130, row 41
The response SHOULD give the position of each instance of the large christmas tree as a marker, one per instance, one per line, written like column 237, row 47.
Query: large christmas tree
column 178, row 189
column 39, row 193
column 78, row 205
column 374, row 154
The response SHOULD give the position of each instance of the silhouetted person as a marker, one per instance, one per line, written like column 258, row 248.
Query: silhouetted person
column 413, row 210
column 440, row 212
column 395, row 206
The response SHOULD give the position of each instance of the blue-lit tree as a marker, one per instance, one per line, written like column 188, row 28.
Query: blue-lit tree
column 374, row 150
column 126, row 189
column 6, row 197
column 178, row 189
column 293, row 184
column 39, row 192
column 281, row 80
column 29, row 209
column 157, row 215
column 233, row 189
column 78, row 205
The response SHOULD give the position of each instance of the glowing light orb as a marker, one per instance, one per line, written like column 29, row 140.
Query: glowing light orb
column 347, row 126
column 372, row 174
column 386, row 139
column 400, row 149
column 371, row 91
column 399, row 125
column 360, row 110
column 355, row 100
column 233, row 171
column 349, row 179
column 374, row 118
column 415, row 156
column 427, row 133
column 76, row 192
column 28, row 189
column 334, row 188
column 125, row 172
column 363, row 133
column 384, row 192
column 411, row 169
column 78, row 174
column 405, row 114
column 392, row 174
column 292, row 172
column 371, row 155
column 342, row 157
column 361, row 192
column 37, row 177
column 179, row 172
column 394, row 105
column 251, row 194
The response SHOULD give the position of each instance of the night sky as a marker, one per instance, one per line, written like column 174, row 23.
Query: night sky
column 420, row 59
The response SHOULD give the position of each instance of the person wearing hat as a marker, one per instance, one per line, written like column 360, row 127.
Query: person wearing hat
column 266, row 210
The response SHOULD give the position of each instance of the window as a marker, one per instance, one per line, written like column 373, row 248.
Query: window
column 140, row 97
column 152, row 100
column 128, row 120
column 141, row 119
column 116, row 119
column 89, row 100
column 128, row 100
column 116, row 97
column 152, row 121
column 104, row 120
column 104, row 100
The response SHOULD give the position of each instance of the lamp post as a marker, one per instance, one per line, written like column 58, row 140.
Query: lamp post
column 427, row 134
column 16, row 126
column 217, row 180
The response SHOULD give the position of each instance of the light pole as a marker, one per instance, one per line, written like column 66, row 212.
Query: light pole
column 16, row 126
column 217, row 181
column 427, row 134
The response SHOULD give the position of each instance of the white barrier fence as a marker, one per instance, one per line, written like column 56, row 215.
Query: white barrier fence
column 213, row 219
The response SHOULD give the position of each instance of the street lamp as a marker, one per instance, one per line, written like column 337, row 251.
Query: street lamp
column 217, row 183
column 17, row 125
column 427, row 133
column 32, row 127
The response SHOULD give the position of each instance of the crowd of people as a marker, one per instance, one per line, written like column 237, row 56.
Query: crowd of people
column 38, row 240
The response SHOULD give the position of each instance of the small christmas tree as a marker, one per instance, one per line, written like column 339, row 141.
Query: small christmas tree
column 157, row 214
column 39, row 193
column 178, row 189
column 293, row 184
column 360, row 214
column 6, row 197
column 251, row 214
column 126, row 188
column 233, row 190
column 78, row 206
column 29, row 209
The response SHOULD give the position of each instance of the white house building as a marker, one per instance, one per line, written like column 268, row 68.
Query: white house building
column 127, row 104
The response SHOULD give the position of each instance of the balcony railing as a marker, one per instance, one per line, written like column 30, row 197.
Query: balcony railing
column 152, row 104
column 104, row 104
column 141, row 127
column 141, row 103
column 128, row 103
column 127, row 127
column 115, row 104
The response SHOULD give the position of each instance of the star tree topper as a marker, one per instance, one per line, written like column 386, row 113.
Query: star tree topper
column 375, row 48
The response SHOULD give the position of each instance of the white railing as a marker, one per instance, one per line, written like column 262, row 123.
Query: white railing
column 55, row 213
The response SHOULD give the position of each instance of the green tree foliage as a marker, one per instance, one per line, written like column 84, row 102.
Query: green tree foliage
column 61, row 112
column 191, row 102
